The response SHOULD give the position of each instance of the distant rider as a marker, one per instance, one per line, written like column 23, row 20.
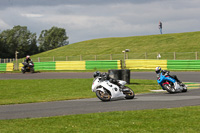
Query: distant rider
column 26, row 61
column 166, row 73
column 105, row 76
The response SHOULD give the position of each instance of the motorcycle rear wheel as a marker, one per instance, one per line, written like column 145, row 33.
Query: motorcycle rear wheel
column 185, row 89
column 103, row 96
column 129, row 94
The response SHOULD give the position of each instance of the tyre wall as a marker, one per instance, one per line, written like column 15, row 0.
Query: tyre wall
column 145, row 64
column 183, row 64
column 164, row 64
column 6, row 66
column 70, row 65
column 77, row 65
column 42, row 66
column 104, row 64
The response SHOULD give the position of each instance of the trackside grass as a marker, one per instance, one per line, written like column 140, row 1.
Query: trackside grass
column 172, row 120
column 44, row 90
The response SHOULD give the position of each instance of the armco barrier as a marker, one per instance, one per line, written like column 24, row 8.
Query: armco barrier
column 6, row 67
column 183, row 64
column 103, row 64
column 145, row 64
column 70, row 65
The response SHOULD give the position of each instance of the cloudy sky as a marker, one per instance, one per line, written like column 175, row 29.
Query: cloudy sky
column 91, row 19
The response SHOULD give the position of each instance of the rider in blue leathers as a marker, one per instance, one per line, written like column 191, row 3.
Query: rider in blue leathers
column 166, row 73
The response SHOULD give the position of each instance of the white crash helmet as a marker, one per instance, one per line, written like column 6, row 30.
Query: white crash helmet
column 27, row 56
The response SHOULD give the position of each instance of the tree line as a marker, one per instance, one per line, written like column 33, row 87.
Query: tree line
column 20, row 39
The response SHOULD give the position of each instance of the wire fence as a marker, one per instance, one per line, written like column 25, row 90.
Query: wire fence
column 155, row 55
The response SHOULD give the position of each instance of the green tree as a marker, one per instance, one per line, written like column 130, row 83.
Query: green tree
column 19, row 39
column 53, row 38
column 3, row 50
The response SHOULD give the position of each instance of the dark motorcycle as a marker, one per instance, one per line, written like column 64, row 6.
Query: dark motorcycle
column 28, row 67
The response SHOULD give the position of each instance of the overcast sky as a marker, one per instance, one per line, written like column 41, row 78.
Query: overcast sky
column 91, row 19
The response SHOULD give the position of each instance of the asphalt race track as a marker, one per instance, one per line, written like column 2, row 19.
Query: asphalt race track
column 184, row 76
column 93, row 105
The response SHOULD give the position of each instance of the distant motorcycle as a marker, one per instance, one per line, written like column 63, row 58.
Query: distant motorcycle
column 106, row 90
column 28, row 68
column 170, row 85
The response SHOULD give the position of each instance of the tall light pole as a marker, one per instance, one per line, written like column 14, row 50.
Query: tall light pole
column 124, row 51
column 16, row 52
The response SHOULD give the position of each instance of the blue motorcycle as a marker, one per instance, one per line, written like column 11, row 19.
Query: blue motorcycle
column 170, row 84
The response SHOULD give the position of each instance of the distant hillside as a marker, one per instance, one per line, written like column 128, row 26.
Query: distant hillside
column 179, row 42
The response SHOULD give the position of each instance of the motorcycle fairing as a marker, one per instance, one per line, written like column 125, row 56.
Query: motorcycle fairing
column 162, row 80
column 114, row 90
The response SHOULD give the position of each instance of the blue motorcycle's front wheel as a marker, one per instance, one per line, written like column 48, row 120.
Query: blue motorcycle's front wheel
column 169, row 88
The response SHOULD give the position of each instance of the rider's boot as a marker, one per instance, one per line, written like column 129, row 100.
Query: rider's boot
column 120, row 86
column 181, row 84
column 23, row 68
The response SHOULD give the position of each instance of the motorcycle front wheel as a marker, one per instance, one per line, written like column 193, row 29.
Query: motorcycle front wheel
column 32, row 70
column 103, row 96
column 23, row 71
column 169, row 89
column 129, row 93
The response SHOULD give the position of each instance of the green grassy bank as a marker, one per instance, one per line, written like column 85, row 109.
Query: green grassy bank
column 178, row 42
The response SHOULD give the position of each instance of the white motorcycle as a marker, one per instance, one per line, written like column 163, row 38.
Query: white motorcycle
column 106, row 90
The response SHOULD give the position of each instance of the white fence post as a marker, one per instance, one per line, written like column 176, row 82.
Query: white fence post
column 110, row 56
column 196, row 55
column 174, row 55
column 80, row 58
column 126, row 55
column 145, row 55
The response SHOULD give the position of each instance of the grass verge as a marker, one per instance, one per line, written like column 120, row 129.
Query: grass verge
column 176, row 120
column 44, row 90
